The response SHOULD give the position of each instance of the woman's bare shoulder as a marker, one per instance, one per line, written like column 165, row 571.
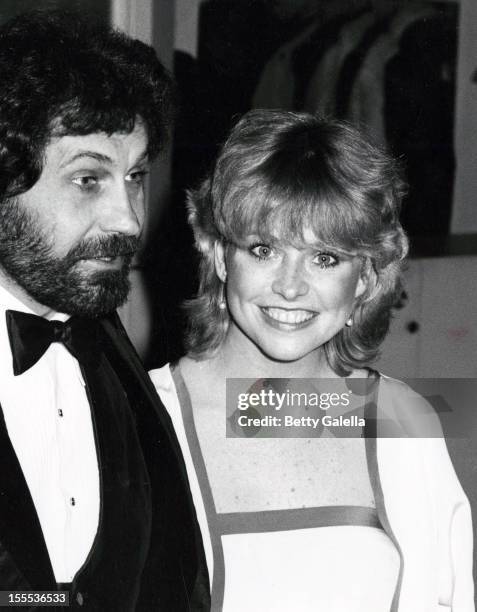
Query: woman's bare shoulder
column 399, row 401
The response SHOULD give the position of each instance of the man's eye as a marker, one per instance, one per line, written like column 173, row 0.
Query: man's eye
column 326, row 260
column 261, row 251
column 137, row 177
column 86, row 181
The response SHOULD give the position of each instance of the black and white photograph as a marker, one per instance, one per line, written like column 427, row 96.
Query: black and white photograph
column 238, row 297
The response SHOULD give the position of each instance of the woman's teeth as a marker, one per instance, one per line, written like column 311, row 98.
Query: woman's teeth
column 293, row 317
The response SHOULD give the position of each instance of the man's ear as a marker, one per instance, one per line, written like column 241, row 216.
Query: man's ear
column 219, row 260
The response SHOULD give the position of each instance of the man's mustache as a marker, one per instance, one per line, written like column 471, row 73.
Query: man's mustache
column 115, row 245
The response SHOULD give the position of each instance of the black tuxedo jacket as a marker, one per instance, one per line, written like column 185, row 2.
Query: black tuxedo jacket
column 147, row 554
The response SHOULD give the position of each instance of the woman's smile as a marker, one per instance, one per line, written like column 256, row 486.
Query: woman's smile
column 288, row 300
column 288, row 319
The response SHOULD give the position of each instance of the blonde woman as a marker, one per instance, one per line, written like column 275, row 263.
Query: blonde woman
column 298, row 229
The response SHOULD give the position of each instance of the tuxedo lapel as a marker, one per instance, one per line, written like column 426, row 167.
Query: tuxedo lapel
column 171, row 496
column 132, row 367
column 147, row 529
column 21, row 535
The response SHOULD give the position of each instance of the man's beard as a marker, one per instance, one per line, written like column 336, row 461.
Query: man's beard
column 27, row 257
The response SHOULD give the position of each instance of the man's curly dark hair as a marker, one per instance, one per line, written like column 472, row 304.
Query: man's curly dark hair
column 62, row 74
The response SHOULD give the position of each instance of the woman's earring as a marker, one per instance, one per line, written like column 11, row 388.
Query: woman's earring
column 349, row 322
column 222, row 302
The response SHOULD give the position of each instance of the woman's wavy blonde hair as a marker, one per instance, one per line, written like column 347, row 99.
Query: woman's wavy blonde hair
column 287, row 172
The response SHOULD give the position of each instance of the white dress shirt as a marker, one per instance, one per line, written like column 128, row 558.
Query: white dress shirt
column 49, row 423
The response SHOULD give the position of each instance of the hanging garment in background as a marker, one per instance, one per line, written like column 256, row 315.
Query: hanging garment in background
column 393, row 73
column 284, row 80
column 321, row 91
column 312, row 51
column 276, row 85
column 366, row 105
column 419, row 98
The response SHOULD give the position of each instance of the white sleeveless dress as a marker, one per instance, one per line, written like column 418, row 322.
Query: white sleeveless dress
column 331, row 559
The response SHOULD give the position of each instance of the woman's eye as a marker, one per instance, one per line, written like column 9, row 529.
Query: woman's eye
column 261, row 251
column 326, row 260
column 86, row 182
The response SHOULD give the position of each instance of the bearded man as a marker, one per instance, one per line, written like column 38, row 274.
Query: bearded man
column 94, row 498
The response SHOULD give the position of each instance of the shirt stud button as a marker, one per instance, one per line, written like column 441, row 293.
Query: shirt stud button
column 73, row 501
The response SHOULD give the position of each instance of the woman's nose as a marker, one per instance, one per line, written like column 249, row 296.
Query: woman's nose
column 290, row 282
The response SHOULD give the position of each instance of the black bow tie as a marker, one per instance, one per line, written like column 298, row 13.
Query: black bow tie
column 31, row 335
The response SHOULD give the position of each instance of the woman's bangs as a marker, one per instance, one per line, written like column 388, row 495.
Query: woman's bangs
column 296, row 214
column 247, row 213
column 312, row 222
column 304, row 221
